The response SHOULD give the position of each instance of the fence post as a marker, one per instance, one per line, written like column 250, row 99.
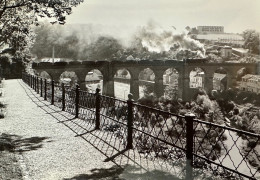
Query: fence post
column 97, row 108
column 34, row 83
column 37, row 84
column 77, row 101
column 52, row 92
column 130, row 122
column 63, row 96
column 30, row 80
column 45, row 89
column 189, row 117
column 41, row 87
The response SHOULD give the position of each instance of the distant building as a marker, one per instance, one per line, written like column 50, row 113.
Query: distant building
column 226, row 52
column 171, row 77
column 222, row 39
column 197, row 80
column 92, row 78
column 210, row 29
column 250, row 83
column 219, row 81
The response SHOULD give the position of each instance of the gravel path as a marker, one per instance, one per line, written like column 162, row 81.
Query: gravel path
column 48, row 149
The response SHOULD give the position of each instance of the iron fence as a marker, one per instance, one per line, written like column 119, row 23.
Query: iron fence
column 224, row 151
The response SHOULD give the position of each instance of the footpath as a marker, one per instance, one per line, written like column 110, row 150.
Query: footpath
column 48, row 150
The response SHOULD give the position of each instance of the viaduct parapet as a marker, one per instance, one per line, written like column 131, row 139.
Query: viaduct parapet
column 109, row 69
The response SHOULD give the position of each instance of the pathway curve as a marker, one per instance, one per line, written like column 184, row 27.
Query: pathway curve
column 49, row 149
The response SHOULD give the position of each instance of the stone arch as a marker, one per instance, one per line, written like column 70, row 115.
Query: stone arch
column 241, row 72
column 122, row 82
column 220, row 78
column 45, row 75
column 171, row 83
column 94, row 80
column 146, row 79
column 69, row 78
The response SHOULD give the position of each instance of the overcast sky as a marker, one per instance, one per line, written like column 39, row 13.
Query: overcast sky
column 234, row 15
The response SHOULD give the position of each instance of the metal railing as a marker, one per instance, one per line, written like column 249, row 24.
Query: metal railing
column 224, row 151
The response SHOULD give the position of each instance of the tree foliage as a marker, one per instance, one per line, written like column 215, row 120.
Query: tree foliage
column 51, row 38
column 17, row 16
column 252, row 41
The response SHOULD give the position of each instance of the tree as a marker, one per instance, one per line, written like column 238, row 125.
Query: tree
column 17, row 16
column 105, row 48
column 252, row 41
column 52, row 37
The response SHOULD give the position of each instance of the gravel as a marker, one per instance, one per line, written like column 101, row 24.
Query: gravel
column 46, row 149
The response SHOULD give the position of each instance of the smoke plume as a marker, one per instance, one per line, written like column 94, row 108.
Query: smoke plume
column 158, row 40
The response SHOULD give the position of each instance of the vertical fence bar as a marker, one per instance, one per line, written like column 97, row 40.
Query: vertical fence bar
column 45, row 89
column 189, row 117
column 41, row 87
column 52, row 92
column 97, row 108
column 34, row 83
column 130, row 122
column 77, row 101
column 30, row 79
column 34, row 77
column 37, row 84
column 63, row 96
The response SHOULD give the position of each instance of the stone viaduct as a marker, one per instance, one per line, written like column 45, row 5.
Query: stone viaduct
column 108, row 69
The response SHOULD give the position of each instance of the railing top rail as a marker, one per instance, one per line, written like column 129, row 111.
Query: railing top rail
column 227, row 128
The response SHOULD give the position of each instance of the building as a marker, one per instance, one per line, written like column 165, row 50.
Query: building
column 92, row 78
column 226, row 52
column 219, row 81
column 210, row 29
column 197, row 79
column 171, row 77
column 250, row 83
column 221, row 39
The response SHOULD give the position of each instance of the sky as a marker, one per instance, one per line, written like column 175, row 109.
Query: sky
column 125, row 15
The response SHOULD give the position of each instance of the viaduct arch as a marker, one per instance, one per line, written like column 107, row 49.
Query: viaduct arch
column 108, row 69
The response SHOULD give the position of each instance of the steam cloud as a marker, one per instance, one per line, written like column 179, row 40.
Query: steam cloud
column 90, row 42
column 155, row 39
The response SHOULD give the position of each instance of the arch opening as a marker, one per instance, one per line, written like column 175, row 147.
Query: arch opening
column 122, row 83
column 220, row 79
column 45, row 75
column 146, row 82
column 94, row 80
column 197, row 78
column 69, row 78
column 171, row 83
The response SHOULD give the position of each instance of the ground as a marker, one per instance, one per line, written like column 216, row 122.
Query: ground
column 9, row 166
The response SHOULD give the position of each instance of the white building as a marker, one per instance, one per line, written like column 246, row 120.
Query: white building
column 210, row 29
column 219, row 81
column 226, row 52
column 250, row 83
column 197, row 79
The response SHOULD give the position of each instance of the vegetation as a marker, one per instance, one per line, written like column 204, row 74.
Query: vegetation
column 252, row 41
column 17, row 16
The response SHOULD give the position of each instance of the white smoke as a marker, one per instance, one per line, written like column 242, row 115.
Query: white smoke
column 158, row 40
